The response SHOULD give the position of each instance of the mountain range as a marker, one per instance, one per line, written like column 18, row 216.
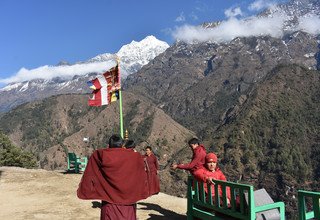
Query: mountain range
column 253, row 100
column 132, row 57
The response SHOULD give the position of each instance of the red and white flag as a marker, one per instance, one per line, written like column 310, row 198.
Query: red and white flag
column 105, row 88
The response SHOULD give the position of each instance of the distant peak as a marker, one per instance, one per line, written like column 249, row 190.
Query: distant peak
column 149, row 41
column 63, row 63
column 150, row 37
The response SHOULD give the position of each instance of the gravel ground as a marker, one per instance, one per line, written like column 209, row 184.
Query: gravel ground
column 40, row 194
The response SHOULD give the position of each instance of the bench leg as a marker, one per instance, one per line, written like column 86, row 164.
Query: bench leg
column 76, row 168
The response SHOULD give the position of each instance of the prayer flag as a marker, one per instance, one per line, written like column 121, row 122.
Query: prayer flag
column 105, row 88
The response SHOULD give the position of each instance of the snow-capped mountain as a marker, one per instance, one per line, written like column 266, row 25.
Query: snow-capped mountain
column 71, row 78
column 295, row 13
column 135, row 55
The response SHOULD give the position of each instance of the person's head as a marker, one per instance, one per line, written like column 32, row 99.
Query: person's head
column 148, row 150
column 193, row 143
column 130, row 144
column 211, row 161
column 115, row 141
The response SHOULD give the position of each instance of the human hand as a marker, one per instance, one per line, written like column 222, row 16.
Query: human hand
column 209, row 180
column 174, row 166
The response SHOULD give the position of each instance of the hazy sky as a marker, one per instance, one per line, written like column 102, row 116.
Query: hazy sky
column 36, row 34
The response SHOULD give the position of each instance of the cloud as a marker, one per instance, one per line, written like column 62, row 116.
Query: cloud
column 233, row 12
column 261, row 4
column 310, row 24
column 232, row 28
column 66, row 72
column 236, row 25
column 180, row 18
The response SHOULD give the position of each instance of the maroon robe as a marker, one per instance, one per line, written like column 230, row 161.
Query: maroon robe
column 152, row 171
column 111, row 211
column 114, row 175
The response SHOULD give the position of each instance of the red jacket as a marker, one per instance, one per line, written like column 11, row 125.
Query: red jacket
column 203, row 173
column 115, row 175
column 198, row 159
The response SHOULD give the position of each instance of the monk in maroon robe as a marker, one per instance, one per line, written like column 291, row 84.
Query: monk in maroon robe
column 116, row 176
column 152, row 168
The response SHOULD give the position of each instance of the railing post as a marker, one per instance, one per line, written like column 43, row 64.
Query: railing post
column 189, row 199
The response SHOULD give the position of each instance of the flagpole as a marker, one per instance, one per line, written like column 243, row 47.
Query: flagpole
column 120, row 99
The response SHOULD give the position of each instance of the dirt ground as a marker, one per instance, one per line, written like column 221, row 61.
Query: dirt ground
column 41, row 194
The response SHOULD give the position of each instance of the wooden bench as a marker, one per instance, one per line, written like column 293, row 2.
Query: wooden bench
column 242, row 204
column 304, row 197
column 75, row 163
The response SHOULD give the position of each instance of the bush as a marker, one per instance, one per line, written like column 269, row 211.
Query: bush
column 11, row 155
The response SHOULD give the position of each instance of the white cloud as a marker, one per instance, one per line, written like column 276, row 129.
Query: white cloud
column 261, row 4
column 180, row 18
column 231, row 28
column 310, row 24
column 245, row 27
column 66, row 72
column 233, row 12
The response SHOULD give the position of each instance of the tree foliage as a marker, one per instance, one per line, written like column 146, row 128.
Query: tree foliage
column 11, row 155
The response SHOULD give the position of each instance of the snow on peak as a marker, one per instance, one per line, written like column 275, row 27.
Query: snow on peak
column 276, row 21
column 10, row 87
column 132, row 57
column 102, row 57
column 137, row 54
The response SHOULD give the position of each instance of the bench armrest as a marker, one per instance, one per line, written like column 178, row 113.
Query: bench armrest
column 276, row 205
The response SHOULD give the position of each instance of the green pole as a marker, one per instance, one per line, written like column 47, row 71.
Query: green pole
column 121, row 117
column 120, row 100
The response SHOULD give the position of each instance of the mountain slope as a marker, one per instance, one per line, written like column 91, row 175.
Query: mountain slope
column 198, row 84
column 54, row 126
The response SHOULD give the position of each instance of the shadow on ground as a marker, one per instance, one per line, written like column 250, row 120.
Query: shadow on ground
column 96, row 204
column 70, row 172
column 0, row 173
column 165, row 213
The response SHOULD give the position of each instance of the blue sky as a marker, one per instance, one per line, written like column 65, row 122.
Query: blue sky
column 37, row 33
column 43, row 32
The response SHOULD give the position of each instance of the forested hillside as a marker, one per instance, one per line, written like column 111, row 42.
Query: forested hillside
column 273, row 140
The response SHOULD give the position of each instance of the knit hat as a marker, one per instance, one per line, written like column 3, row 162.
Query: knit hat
column 211, row 157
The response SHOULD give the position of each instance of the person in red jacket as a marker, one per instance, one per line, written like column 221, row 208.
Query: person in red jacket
column 152, row 167
column 198, row 157
column 211, row 172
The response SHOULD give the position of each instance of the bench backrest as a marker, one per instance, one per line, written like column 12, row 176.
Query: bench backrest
column 242, row 204
column 72, row 157
column 238, row 192
column 76, row 163
column 311, row 212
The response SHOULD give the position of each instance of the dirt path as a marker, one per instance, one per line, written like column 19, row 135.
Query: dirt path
column 41, row 194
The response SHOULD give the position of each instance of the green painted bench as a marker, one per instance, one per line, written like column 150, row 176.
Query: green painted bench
column 75, row 163
column 313, row 212
column 242, row 202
